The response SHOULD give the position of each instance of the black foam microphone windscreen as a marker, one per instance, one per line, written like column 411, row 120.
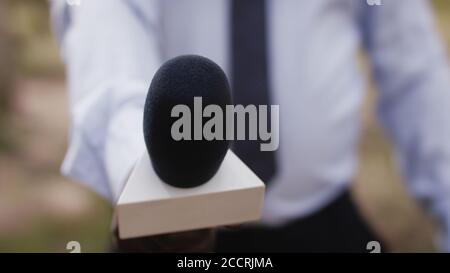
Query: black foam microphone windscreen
column 190, row 161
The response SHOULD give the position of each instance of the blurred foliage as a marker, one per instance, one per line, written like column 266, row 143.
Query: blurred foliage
column 27, row 48
column 36, row 49
column 40, row 211
column 6, row 74
column 442, row 8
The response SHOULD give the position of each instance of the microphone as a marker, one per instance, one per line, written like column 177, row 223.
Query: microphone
column 183, row 153
column 185, row 163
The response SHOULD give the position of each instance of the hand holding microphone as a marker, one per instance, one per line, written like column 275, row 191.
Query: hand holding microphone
column 181, row 163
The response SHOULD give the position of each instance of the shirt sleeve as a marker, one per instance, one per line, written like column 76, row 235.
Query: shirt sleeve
column 412, row 76
column 111, row 50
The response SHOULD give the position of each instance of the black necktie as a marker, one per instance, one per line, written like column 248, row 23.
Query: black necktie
column 249, row 77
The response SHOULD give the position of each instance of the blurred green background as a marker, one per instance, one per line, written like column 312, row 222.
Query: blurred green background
column 40, row 211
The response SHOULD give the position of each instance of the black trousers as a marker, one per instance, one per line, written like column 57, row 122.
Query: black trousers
column 336, row 228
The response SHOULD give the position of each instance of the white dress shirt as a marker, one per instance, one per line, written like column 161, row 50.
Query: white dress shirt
column 112, row 48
